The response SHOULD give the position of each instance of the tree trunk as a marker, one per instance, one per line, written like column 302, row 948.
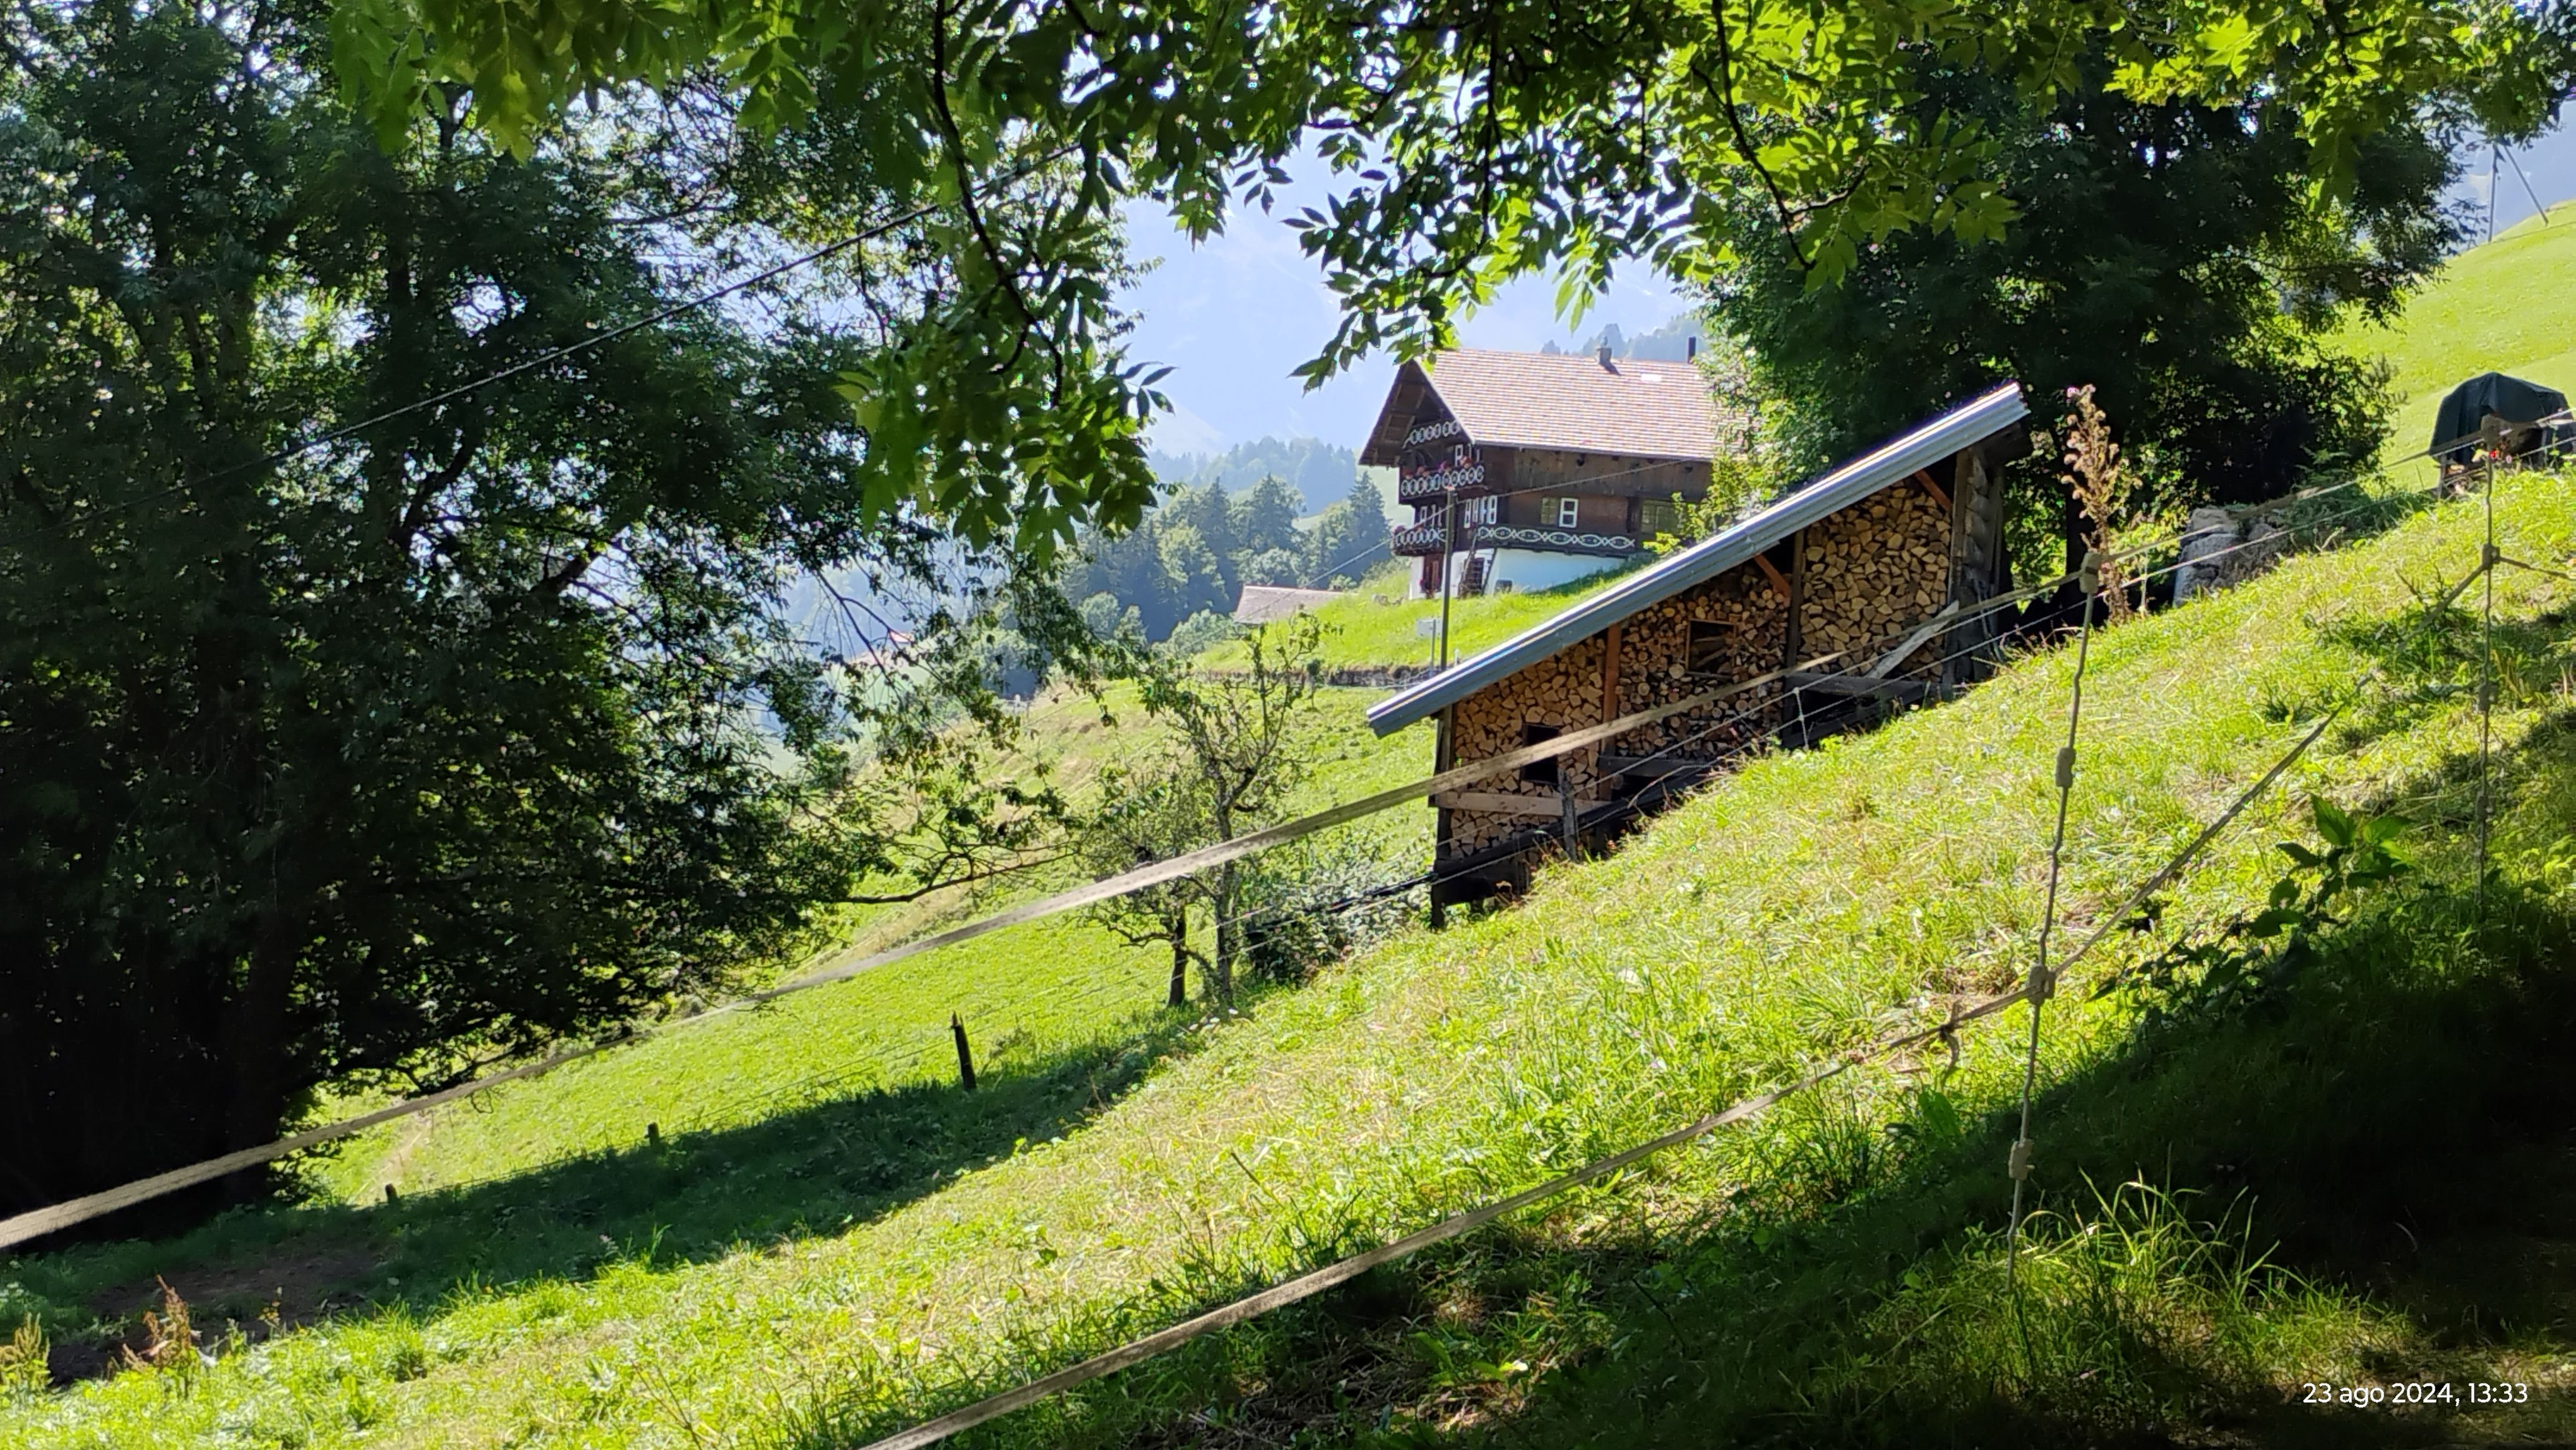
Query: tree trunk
column 1221, row 971
column 1179, row 996
column 252, row 1038
column 1222, row 949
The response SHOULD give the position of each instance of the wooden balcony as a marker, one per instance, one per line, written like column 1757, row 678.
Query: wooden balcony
column 1419, row 539
column 1431, row 483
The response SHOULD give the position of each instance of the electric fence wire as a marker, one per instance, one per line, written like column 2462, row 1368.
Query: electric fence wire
column 1316, row 1281
column 886, row 1072
column 2040, row 980
column 550, row 356
column 2035, row 988
column 1975, row 648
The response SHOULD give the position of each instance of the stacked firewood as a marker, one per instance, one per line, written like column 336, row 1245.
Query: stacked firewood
column 1874, row 571
column 1871, row 574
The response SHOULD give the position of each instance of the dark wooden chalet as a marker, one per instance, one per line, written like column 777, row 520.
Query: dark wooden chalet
column 1559, row 464
column 1868, row 560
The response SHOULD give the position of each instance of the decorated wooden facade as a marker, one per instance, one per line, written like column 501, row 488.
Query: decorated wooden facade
column 1866, row 576
column 1528, row 470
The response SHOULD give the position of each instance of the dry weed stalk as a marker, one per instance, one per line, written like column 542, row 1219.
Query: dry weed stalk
column 24, row 1365
column 2099, row 478
column 170, row 1341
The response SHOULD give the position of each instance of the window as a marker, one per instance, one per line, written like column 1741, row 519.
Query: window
column 1707, row 647
column 1479, row 510
column 1539, row 772
column 1657, row 516
column 1563, row 512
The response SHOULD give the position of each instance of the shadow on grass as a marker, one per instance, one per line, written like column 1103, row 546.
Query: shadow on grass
column 692, row 1196
column 2368, row 1176
column 2426, row 656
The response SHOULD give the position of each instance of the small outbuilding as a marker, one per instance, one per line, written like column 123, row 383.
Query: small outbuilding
column 1864, row 563
column 1270, row 603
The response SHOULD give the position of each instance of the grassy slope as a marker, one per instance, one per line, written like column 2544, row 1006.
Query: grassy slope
column 1360, row 632
column 2506, row 307
column 1045, row 991
column 1795, row 908
column 1789, row 910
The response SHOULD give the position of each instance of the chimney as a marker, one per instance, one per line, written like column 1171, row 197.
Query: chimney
column 1690, row 348
column 1604, row 355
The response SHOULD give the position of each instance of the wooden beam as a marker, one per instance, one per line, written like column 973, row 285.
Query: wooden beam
column 1610, row 675
column 1888, row 662
column 1823, row 683
column 1797, row 596
column 1924, row 477
column 1551, row 805
column 1777, row 582
column 1654, row 764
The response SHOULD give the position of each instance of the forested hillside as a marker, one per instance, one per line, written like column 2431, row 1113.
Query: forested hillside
column 1319, row 471
column 1198, row 547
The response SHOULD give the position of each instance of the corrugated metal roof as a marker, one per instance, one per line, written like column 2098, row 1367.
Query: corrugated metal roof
column 1269, row 603
column 1630, row 407
column 1838, row 488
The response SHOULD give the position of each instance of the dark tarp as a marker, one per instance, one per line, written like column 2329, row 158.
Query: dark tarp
column 2519, row 404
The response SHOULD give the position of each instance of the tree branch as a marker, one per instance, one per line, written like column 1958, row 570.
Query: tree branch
column 1724, row 84
column 991, row 873
column 955, row 138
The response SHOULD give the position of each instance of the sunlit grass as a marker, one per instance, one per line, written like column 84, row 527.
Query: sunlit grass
column 1805, row 904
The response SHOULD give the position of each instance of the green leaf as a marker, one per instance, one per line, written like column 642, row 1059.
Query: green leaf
column 2332, row 822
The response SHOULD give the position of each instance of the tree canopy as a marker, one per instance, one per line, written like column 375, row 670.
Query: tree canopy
column 357, row 728
column 1319, row 472
column 2168, row 255
column 1473, row 143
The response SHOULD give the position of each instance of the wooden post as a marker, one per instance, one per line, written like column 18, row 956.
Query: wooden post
column 1448, row 558
column 1443, row 748
column 1771, row 571
column 965, row 1054
column 1573, row 822
column 1797, row 596
column 1610, row 676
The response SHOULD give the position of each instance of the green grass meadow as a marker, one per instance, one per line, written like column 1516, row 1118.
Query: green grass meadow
column 1360, row 633
column 789, row 1229
column 2508, row 306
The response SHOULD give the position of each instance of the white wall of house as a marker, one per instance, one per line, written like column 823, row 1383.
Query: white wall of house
column 1523, row 569
column 1528, row 569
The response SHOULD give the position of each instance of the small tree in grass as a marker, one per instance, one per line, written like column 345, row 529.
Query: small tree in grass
column 1228, row 759
column 1144, row 817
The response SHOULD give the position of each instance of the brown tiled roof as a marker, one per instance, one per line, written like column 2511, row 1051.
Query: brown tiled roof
column 1573, row 401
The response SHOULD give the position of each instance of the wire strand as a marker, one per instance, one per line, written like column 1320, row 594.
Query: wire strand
column 549, row 356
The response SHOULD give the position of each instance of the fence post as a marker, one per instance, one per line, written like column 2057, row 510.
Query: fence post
column 965, row 1054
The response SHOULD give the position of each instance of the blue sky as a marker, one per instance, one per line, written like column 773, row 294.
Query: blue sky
column 1232, row 316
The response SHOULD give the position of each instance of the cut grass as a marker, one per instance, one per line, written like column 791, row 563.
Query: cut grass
column 1793, row 909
